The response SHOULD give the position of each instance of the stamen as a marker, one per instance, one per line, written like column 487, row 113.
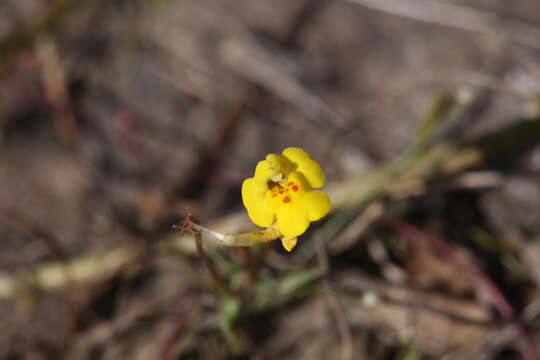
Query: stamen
column 277, row 178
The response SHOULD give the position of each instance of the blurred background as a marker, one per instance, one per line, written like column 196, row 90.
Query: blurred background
column 118, row 118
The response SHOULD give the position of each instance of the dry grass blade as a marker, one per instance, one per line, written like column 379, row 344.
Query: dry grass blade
column 21, row 219
column 461, row 17
column 42, row 23
column 55, row 84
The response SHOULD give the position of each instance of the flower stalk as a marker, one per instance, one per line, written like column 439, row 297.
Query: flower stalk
column 241, row 239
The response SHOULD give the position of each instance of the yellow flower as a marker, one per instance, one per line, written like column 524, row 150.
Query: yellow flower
column 282, row 191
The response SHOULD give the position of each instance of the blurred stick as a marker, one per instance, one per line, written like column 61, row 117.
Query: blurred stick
column 39, row 232
column 42, row 23
column 377, row 303
column 211, row 154
column 248, row 259
column 55, row 85
column 56, row 275
column 460, row 17
column 55, row 247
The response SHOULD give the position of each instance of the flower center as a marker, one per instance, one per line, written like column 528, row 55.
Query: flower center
column 280, row 189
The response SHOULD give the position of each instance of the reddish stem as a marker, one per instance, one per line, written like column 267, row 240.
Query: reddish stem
column 247, row 258
column 184, row 225
column 496, row 296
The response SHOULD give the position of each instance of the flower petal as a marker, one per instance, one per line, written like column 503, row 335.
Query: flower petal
column 316, row 203
column 298, row 186
column 292, row 220
column 273, row 165
column 265, row 170
column 300, row 180
column 306, row 165
column 258, row 207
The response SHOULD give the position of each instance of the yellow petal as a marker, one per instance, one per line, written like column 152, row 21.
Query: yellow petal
column 265, row 170
column 258, row 207
column 289, row 243
column 292, row 220
column 300, row 180
column 298, row 188
column 316, row 203
column 306, row 165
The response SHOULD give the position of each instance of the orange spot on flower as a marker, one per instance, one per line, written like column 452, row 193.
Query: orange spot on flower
column 291, row 183
column 281, row 191
column 295, row 188
column 274, row 195
column 286, row 199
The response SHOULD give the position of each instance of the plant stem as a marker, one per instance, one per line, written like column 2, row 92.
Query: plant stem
column 209, row 264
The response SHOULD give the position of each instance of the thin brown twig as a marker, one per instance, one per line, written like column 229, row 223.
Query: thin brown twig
column 42, row 23
column 210, row 264
column 55, row 85
column 496, row 296
column 259, row 260
column 211, row 155
column 55, row 247
column 172, row 339
column 249, row 261
column 184, row 225
column 39, row 232
column 183, row 315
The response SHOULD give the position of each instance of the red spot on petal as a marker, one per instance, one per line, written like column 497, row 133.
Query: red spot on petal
column 281, row 191
column 291, row 183
column 274, row 195
column 286, row 199
column 295, row 188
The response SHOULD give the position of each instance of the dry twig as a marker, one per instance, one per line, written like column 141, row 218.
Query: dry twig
column 460, row 17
